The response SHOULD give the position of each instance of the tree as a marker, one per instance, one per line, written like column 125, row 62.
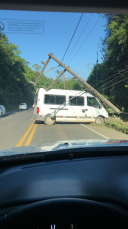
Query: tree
column 36, row 67
column 113, row 70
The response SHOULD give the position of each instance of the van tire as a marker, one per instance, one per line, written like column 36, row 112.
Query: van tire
column 48, row 120
column 99, row 120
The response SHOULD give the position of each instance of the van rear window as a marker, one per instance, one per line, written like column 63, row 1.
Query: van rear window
column 54, row 99
column 77, row 101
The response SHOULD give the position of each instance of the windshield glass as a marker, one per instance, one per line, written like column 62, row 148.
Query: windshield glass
column 63, row 77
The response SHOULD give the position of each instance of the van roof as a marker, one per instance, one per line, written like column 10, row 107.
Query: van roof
column 63, row 92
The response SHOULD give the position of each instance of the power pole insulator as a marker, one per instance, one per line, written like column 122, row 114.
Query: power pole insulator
column 42, row 62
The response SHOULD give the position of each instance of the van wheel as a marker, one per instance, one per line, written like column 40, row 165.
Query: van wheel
column 48, row 120
column 99, row 120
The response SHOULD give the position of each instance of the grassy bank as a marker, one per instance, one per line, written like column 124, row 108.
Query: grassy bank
column 118, row 124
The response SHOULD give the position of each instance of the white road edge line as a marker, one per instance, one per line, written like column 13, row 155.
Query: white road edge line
column 94, row 131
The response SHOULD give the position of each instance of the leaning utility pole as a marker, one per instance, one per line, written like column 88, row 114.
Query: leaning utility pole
column 54, row 81
column 96, row 68
column 91, row 89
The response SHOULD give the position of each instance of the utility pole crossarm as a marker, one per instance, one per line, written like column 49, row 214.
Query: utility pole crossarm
column 95, row 92
column 45, row 65
column 55, row 80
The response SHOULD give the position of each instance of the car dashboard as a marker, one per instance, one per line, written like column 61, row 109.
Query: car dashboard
column 78, row 193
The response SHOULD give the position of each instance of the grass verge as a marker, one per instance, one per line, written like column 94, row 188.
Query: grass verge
column 119, row 125
column 116, row 124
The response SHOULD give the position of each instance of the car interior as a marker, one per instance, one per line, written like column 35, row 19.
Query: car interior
column 83, row 188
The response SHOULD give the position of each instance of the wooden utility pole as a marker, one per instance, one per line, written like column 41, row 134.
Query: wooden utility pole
column 91, row 89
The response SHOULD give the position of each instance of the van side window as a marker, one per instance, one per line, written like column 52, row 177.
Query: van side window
column 77, row 101
column 60, row 99
column 49, row 99
column 92, row 102
column 54, row 99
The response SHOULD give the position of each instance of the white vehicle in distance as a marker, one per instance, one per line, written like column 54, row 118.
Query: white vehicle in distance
column 69, row 106
column 23, row 106
column 2, row 111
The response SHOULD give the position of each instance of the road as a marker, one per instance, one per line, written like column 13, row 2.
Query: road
column 18, row 129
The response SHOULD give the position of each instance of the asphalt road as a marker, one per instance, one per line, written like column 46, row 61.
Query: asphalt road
column 19, row 129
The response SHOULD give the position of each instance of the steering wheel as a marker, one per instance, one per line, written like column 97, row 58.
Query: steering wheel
column 64, row 212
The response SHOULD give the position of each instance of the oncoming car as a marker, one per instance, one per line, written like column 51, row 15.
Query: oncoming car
column 23, row 106
column 2, row 111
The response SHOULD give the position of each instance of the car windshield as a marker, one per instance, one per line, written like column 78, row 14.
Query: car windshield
column 63, row 78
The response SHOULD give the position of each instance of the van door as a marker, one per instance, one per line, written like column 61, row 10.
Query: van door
column 76, row 109
column 92, row 108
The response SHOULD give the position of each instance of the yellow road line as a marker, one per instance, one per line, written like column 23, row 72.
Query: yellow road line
column 24, row 136
column 31, row 136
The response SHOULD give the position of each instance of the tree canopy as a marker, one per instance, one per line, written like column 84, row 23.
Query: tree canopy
column 15, row 77
column 110, row 77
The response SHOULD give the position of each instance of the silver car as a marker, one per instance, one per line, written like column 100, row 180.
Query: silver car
column 23, row 106
column 2, row 111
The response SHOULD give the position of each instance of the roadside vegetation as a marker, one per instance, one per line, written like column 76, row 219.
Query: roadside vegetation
column 110, row 77
column 15, row 77
column 118, row 124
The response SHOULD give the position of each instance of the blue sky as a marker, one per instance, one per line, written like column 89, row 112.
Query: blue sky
column 58, row 30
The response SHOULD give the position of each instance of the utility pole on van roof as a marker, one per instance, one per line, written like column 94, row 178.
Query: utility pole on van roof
column 91, row 89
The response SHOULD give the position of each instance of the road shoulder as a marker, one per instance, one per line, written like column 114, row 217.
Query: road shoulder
column 108, row 132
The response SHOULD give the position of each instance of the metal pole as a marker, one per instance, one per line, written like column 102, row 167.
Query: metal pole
column 96, row 93
column 55, row 80
column 42, row 71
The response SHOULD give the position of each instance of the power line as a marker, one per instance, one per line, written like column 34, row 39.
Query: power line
column 108, row 72
column 79, row 37
column 72, row 36
column 85, row 38
column 118, row 86
column 109, row 86
column 114, row 83
column 119, row 75
column 107, row 78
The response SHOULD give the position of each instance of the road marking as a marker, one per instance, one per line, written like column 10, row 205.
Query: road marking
column 9, row 117
column 31, row 136
column 95, row 131
column 5, row 118
column 24, row 136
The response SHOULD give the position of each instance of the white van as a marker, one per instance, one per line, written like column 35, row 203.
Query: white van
column 67, row 106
